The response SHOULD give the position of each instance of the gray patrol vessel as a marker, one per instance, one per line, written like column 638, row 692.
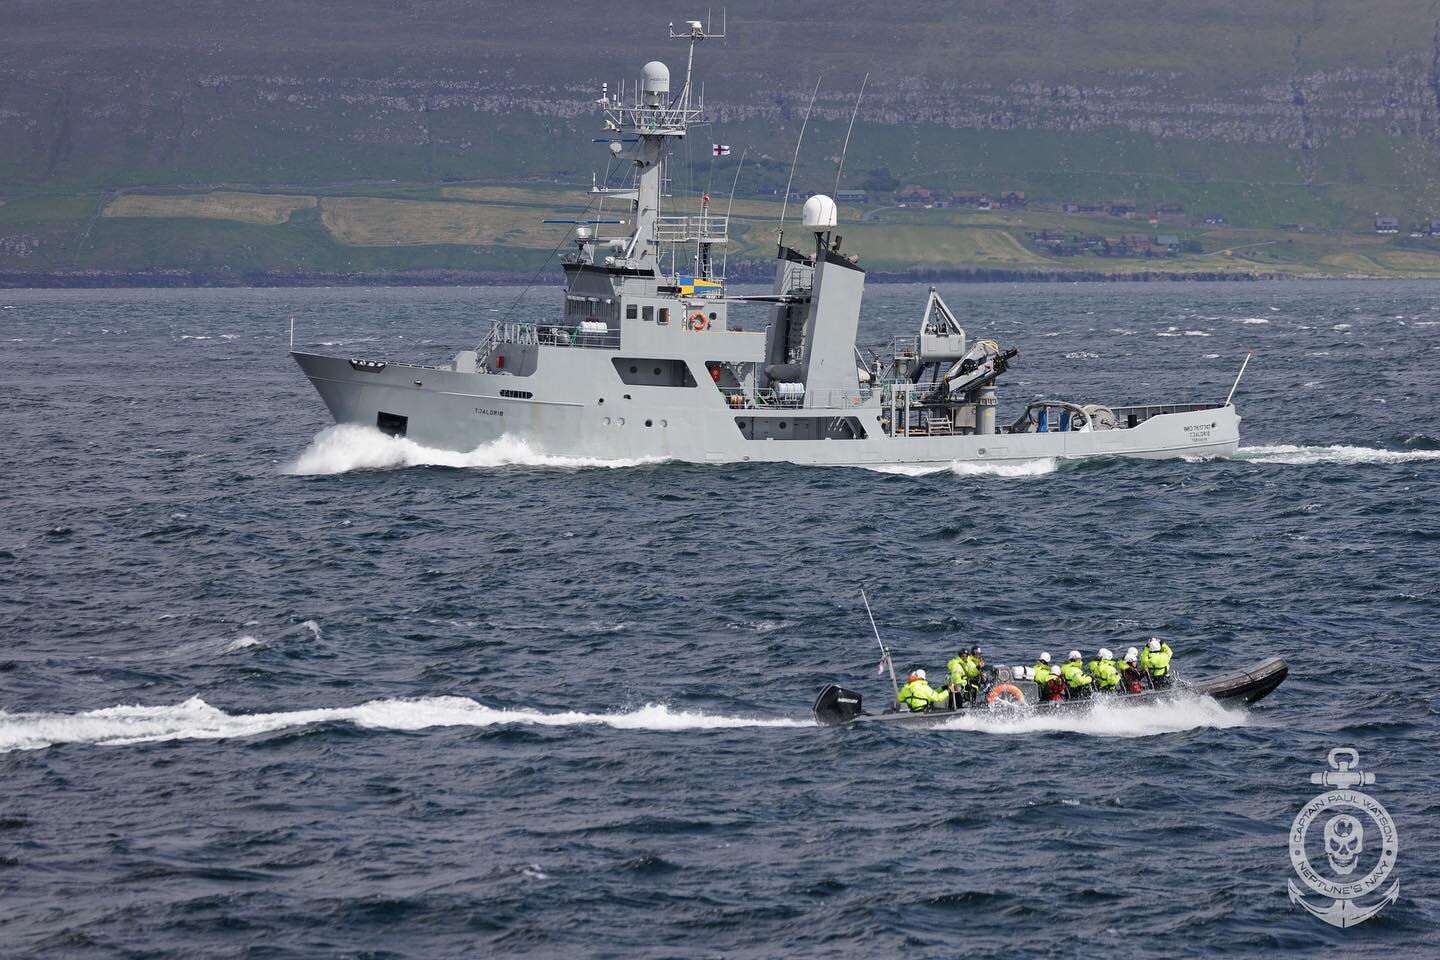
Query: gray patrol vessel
column 644, row 361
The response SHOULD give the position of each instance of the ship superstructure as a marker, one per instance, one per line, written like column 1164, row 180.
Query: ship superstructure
column 643, row 361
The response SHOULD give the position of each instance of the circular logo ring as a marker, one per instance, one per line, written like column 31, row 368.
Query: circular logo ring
column 1373, row 809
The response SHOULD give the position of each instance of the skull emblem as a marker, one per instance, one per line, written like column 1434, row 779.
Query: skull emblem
column 1343, row 838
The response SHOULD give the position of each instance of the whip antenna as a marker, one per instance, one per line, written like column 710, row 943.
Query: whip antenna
column 848, row 130
column 780, row 234
column 1236, row 385
column 884, row 653
column 725, row 260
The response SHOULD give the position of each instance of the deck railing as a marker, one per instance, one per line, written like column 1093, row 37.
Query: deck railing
column 546, row 335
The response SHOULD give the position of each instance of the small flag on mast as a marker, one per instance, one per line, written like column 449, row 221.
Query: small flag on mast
column 721, row 149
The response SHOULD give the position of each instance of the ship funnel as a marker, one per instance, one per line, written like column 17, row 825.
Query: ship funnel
column 819, row 213
column 655, row 78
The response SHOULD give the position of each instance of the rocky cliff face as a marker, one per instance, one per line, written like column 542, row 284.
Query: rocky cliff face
column 313, row 100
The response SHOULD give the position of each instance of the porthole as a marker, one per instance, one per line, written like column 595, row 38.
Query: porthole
column 602, row 401
column 634, row 369
column 606, row 421
column 782, row 424
column 649, row 423
column 664, row 423
column 712, row 316
column 620, row 421
column 657, row 371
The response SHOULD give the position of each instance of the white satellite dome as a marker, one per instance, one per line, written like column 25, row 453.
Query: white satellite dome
column 819, row 212
column 655, row 77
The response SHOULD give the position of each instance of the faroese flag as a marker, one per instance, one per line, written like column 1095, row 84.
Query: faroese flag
column 689, row 286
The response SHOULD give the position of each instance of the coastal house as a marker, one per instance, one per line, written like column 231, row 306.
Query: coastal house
column 912, row 195
column 1387, row 224
column 1215, row 218
column 1124, row 208
column 851, row 196
column 1013, row 198
column 1170, row 213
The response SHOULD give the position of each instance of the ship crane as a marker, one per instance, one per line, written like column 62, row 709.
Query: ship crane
column 979, row 367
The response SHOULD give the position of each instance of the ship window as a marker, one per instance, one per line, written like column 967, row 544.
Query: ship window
column 631, row 311
column 649, row 313
column 634, row 369
column 649, row 423
column 664, row 314
column 712, row 314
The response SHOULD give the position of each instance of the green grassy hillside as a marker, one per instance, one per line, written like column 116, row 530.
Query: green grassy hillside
column 1275, row 114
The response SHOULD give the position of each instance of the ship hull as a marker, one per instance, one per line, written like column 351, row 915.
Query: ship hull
column 577, row 413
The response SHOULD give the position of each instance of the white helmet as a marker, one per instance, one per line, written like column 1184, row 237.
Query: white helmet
column 1075, row 655
column 1132, row 654
column 1106, row 654
column 918, row 675
column 1044, row 658
column 1155, row 644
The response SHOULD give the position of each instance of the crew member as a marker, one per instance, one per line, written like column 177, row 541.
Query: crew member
column 958, row 675
column 1155, row 661
column 918, row 695
column 1131, row 679
column 1043, row 674
column 974, row 670
column 1102, row 668
column 1077, row 681
column 1054, row 689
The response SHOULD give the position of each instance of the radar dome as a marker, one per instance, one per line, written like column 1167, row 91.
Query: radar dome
column 819, row 212
column 655, row 77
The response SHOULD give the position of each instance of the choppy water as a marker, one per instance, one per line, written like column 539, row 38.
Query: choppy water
column 274, row 689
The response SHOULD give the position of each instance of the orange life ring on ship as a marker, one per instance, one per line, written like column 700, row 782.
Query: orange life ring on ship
column 698, row 321
column 1009, row 691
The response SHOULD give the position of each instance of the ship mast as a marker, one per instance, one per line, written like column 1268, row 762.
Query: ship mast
column 642, row 128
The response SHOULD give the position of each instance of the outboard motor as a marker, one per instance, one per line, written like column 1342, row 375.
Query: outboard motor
column 836, row 705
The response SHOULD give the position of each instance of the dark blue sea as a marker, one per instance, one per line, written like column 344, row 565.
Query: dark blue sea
column 269, row 689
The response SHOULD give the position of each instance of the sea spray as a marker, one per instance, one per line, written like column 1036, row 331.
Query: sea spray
column 1107, row 718
column 347, row 447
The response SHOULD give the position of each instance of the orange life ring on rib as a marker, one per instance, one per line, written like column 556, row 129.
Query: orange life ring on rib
column 698, row 321
column 1009, row 691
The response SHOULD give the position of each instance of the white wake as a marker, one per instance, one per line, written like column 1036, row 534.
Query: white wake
column 346, row 447
column 1108, row 719
column 197, row 720
column 1306, row 456
column 967, row 468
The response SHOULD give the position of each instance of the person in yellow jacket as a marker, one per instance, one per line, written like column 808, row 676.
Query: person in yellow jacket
column 917, row 694
column 959, row 675
column 1105, row 672
column 1078, row 683
column 1155, row 662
